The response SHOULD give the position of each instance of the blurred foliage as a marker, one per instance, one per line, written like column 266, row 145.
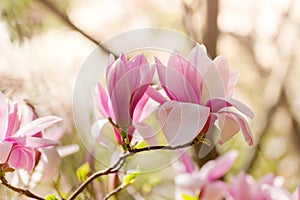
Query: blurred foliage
column 26, row 18
column 19, row 21
column 82, row 172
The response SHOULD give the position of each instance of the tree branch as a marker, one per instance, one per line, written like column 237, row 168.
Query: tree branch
column 19, row 190
column 68, row 22
column 115, row 167
column 113, row 192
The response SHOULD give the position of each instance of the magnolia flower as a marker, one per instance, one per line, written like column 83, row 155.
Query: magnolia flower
column 279, row 193
column 127, row 83
column 204, row 183
column 203, row 88
column 269, row 187
column 244, row 187
column 21, row 138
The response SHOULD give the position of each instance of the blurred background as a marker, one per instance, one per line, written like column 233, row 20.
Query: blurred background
column 44, row 43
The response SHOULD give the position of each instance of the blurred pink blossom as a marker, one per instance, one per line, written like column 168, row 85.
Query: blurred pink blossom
column 20, row 134
column 269, row 187
column 205, row 182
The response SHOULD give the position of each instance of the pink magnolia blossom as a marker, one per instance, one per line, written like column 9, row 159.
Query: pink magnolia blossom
column 278, row 193
column 127, row 83
column 20, row 134
column 205, row 182
column 244, row 187
column 204, row 88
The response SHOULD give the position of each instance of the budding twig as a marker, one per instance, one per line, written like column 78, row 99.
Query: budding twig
column 18, row 190
column 115, row 167
column 113, row 192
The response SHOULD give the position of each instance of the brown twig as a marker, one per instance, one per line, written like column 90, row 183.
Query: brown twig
column 115, row 167
column 19, row 190
column 113, row 192
column 68, row 22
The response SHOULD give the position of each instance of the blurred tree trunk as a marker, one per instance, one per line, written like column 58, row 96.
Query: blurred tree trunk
column 210, row 39
column 211, row 31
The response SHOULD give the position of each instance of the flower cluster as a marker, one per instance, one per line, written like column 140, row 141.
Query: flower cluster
column 206, row 182
column 190, row 97
column 21, row 134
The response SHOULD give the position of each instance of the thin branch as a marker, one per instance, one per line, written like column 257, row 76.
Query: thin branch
column 113, row 192
column 68, row 22
column 151, row 148
column 120, row 162
column 114, row 168
column 19, row 190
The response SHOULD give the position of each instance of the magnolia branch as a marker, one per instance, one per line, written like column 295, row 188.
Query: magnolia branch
column 114, row 168
column 68, row 22
column 19, row 190
column 113, row 192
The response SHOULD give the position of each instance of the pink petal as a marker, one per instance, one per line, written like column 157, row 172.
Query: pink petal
column 102, row 132
column 175, row 84
column 155, row 95
column 109, row 64
column 211, row 79
column 222, row 66
column 128, row 93
column 117, row 70
column 28, row 113
column 219, row 103
column 139, row 77
column 51, row 163
column 54, row 133
column 184, row 122
column 36, row 142
column 120, row 100
column 161, row 70
column 213, row 86
column 3, row 116
column 243, row 187
column 136, row 98
column 188, row 184
column 234, row 77
column 266, row 179
column 5, row 148
column 147, row 132
column 222, row 165
column 189, row 71
column 245, row 128
column 101, row 101
column 22, row 158
column 187, row 161
column 229, row 77
column 214, row 191
column 137, row 61
column 33, row 142
column 37, row 125
column 13, row 119
column 228, row 126
column 199, row 58
column 276, row 193
column 138, row 111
